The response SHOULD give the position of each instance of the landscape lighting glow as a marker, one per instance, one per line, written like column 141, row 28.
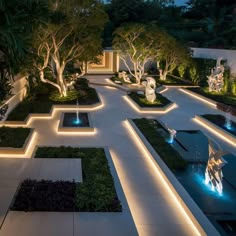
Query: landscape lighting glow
column 28, row 152
column 134, row 106
column 214, row 132
column 161, row 176
column 198, row 98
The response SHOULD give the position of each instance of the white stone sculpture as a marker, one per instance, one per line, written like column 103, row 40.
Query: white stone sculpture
column 150, row 89
column 213, row 173
column 123, row 75
column 216, row 79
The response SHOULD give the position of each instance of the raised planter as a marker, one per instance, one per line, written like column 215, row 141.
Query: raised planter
column 199, row 97
column 75, row 128
column 181, row 196
column 53, row 109
column 223, row 134
column 19, row 151
column 140, row 109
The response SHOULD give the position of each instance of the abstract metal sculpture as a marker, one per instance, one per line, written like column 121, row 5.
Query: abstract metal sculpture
column 150, row 91
column 216, row 79
column 213, row 173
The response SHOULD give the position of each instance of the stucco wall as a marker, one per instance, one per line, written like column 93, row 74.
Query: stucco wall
column 229, row 55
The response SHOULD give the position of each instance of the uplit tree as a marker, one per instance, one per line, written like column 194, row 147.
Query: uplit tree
column 73, row 34
column 134, row 45
column 169, row 53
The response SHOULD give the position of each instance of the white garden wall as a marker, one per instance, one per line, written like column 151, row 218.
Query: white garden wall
column 229, row 55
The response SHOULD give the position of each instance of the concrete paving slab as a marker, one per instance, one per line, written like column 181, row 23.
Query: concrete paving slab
column 105, row 224
column 6, row 195
column 37, row 224
column 56, row 169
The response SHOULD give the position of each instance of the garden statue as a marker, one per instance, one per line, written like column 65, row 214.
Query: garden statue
column 150, row 91
column 123, row 75
column 216, row 79
column 213, row 173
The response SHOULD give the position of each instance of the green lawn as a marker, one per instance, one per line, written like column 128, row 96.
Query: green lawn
column 13, row 137
column 97, row 192
column 168, row 154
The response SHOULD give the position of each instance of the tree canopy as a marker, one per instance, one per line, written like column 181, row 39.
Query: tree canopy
column 73, row 33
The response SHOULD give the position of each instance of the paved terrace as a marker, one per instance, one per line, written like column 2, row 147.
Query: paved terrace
column 153, row 211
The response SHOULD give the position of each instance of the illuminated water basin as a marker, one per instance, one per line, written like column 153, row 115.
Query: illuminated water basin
column 193, row 147
column 71, row 120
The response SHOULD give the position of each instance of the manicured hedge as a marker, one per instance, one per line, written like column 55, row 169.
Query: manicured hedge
column 218, row 97
column 13, row 137
column 168, row 154
column 141, row 100
column 96, row 194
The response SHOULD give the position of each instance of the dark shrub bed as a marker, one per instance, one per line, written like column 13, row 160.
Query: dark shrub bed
column 168, row 154
column 13, row 137
column 141, row 100
column 45, row 195
column 96, row 194
column 173, row 80
column 42, row 103
column 219, row 120
column 218, row 97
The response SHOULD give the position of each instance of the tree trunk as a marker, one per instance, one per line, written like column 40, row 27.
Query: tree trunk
column 61, row 82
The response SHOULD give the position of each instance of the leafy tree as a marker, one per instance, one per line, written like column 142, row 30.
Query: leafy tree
column 168, row 52
column 134, row 45
column 18, row 19
column 73, row 34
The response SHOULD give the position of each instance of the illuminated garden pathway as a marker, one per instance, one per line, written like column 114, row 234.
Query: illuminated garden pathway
column 153, row 210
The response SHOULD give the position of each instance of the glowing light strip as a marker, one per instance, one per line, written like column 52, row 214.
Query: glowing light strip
column 136, row 108
column 197, row 120
column 74, row 133
column 164, row 90
column 198, row 97
column 161, row 175
column 110, row 87
column 30, row 148
column 51, row 114
column 78, row 133
column 13, row 125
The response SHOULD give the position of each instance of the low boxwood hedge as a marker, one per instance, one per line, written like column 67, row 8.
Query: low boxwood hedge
column 13, row 137
column 168, row 154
